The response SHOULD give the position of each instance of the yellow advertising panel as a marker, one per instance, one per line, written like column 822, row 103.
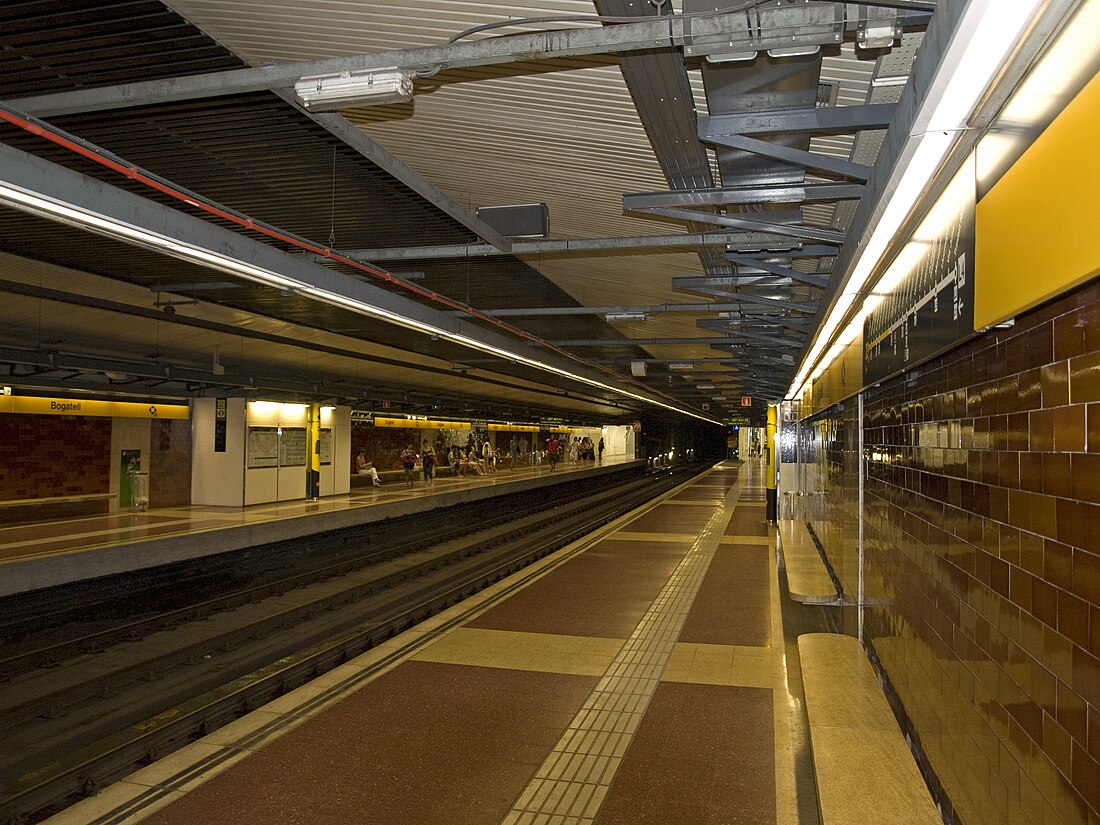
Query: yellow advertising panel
column 420, row 424
column 842, row 378
column 105, row 409
column 514, row 428
column 1037, row 232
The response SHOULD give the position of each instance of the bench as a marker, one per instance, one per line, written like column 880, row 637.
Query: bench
column 862, row 764
column 808, row 579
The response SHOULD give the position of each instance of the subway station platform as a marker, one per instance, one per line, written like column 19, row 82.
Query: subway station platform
column 637, row 676
column 48, row 553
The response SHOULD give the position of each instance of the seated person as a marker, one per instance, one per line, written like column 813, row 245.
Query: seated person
column 472, row 463
column 365, row 467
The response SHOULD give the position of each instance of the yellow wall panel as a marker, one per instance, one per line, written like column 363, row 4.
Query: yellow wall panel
column 1038, row 229
column 32, row 405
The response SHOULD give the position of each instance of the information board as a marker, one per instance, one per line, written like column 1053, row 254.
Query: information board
column 929, row 305
column 263, row 447
column 292, row 447
column 326, row 446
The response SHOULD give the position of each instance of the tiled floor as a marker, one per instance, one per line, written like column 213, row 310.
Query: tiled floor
column 638, row 676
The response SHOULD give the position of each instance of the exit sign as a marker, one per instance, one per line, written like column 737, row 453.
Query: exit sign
column 746, row 400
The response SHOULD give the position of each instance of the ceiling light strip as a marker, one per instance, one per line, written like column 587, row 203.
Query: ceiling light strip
column 54, row 210
column 984, row 38
column 227, row 264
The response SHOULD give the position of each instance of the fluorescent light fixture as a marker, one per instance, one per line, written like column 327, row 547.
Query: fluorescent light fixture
column 370, row 87
column 613, row 317
column 85, row 219
column 1064, row 69
column 983, row 40
column 892, row 80
column 681, row 365
column 795, row 51
column 704, row 386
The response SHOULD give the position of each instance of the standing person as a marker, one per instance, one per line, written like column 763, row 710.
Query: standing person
column 408, row 461
column 574, row 448
column 365, row 467
column 513, row 450
column 427, row 456
column 552, row 448
column 599, row 449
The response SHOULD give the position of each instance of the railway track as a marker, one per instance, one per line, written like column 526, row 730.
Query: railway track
column 78, row 711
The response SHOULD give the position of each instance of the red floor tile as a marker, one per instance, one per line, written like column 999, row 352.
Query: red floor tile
column 603, row 592
column 425, row 743
column 733, row 604
column 703, row 754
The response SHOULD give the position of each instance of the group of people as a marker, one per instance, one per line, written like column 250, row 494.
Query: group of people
column 475, row 459
column 582, row 449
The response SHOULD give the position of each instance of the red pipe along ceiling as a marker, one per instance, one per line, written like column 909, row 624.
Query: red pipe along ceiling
column 135, row 173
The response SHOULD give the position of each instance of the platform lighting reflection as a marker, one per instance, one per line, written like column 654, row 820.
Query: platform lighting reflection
column 983, row 40
column 52, row 209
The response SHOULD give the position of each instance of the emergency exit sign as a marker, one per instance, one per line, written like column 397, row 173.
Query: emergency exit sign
column 746, row 400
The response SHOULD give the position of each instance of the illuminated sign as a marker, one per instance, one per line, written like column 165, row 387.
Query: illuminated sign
column 28, row 405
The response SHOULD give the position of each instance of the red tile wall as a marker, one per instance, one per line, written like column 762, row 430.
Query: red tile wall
column 170, row 463
column 52, row 455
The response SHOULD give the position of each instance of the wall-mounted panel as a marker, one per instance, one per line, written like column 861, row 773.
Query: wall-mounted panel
column 1038, row 233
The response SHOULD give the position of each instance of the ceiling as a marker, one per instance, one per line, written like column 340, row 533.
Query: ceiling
column 725, row 248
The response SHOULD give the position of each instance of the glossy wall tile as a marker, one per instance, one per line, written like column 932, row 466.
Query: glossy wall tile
column 982, row 558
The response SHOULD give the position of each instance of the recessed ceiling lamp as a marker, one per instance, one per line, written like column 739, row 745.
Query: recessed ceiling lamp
column 373, row 87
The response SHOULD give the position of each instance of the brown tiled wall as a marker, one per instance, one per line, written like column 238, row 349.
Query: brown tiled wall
column 170, row 464
column 982, row 538
column 51, row 455
column 833, row 511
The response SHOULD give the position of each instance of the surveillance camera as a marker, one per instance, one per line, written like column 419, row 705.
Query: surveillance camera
column 169, row 309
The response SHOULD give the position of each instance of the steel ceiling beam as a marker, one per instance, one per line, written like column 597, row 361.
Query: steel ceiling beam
column 694, row 283
column 649, row 34
column 817, row 280
column 354, row 137
column 826, row 119
column 630, row 342
column 799, row 193
column 738, row 325
column 802, row 251
column 525, row 312
column 770, row 339
column 625, row 245
column 796, row 157
column 788, row 230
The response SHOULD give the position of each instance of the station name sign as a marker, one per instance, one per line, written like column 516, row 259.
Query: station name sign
column 28, row 405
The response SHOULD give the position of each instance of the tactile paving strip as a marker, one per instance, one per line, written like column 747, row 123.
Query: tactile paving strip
column 571, row 783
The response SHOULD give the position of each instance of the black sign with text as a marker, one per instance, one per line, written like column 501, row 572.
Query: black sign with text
column 930, row 306
column 220, row 421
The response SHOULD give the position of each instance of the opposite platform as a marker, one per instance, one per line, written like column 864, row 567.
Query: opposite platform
column 46, row 554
